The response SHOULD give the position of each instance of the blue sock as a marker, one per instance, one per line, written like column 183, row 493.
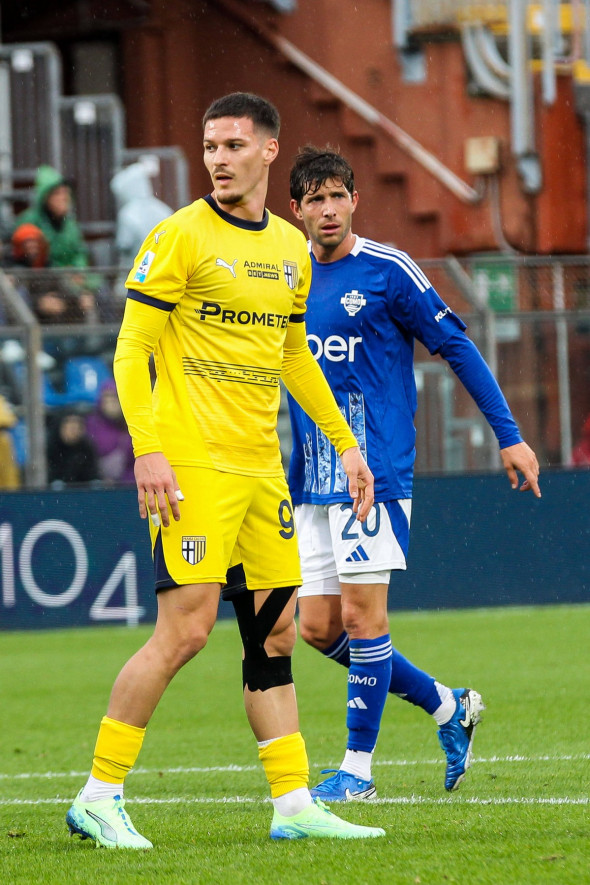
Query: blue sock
column 339, row 651
column 407, row 681
column 369, row 676
column 412, row 684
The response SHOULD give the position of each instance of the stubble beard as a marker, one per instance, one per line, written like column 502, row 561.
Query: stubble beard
column 229, row 199
column 329, row 243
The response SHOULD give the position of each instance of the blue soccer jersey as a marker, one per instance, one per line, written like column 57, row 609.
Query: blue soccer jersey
column 364, row 312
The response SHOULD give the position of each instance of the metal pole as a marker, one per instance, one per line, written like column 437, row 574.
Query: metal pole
column 563, row 372
column 521, row 104
column 548, row 38
column 5, row 141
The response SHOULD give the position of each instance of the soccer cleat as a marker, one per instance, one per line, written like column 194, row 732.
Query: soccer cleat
column 105, row 822
column 456, row 735
column 343, row 787
column 317, row 822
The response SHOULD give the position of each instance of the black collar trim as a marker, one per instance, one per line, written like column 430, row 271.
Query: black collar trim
column 237, row 222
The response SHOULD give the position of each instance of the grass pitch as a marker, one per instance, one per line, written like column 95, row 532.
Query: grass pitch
column 521, row 815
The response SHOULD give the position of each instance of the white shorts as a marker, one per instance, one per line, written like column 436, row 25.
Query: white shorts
column 335, row 547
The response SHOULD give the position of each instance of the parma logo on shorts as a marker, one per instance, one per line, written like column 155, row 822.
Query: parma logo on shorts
column 193, row 548
column 291, row 273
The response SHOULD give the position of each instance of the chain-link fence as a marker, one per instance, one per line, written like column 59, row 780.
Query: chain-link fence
column 529, row 317
column 58, row 329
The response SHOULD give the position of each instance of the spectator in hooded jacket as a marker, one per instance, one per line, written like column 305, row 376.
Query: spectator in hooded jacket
column 52, row 211
column 52, row 296
column 139, row 211
column 29, row 248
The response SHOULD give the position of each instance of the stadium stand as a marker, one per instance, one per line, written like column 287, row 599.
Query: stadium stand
column 32, row 72
column 83, row 137
column 92, row 135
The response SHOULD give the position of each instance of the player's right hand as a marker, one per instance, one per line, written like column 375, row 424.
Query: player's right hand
column 157, row 488
column 520, row 457
column 361, row 483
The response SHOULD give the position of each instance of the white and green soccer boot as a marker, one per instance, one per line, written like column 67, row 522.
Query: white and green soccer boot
column 318, row 822
column 105, row 822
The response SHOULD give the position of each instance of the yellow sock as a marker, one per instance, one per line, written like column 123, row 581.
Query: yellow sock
column 285, row 764
column 116, row 751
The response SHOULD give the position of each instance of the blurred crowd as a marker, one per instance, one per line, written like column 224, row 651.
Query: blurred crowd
column 46, row 258
column 93, row 448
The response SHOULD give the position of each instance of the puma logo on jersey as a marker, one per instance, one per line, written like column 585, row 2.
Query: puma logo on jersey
column 221, row 263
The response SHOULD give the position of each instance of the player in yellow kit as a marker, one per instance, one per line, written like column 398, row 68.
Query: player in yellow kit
column 218, row 294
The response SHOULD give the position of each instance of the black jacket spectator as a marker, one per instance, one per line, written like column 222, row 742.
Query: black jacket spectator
column 71, row 456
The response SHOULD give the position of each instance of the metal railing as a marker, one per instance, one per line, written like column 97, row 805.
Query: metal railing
column 530, row 317
column 48, row 320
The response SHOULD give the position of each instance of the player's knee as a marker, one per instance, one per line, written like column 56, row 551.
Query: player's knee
column 320, row 627
column 361, row 623
column 355, row 619
column 281, row 640
column 189, row 644
column 317, row 635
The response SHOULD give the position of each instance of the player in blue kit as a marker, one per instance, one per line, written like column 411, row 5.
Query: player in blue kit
column 368, row 303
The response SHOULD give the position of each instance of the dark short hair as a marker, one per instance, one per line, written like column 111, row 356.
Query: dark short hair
column 314, row 166
column 263, row 114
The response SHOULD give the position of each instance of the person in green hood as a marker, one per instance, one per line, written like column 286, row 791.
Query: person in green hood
column 52, row 212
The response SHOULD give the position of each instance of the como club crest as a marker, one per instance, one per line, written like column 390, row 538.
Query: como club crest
column 353, row 301
column 193, row 548
column 291, row 273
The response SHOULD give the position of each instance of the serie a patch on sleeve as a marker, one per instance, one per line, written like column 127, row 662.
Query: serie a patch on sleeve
column 144, row 267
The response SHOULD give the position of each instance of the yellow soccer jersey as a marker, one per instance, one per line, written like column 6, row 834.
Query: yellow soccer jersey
column 212, row 295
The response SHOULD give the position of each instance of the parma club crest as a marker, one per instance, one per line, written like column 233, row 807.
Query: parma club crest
column 193, row 548
column 291, row 273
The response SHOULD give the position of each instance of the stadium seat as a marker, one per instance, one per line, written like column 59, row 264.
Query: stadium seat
column 83, row 378
column 52, row 398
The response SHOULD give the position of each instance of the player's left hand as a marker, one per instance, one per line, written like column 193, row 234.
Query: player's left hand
column 157, row 488
column 361, row 483
column 521, row 457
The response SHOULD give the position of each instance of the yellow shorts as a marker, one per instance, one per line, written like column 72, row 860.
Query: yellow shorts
column 225, row 519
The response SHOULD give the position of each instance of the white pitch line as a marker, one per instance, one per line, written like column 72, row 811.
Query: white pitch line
column 582, row 757
column 398, row 800
column 53, row 775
